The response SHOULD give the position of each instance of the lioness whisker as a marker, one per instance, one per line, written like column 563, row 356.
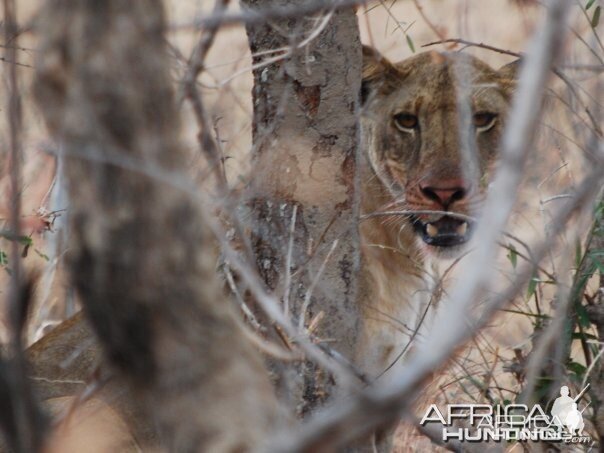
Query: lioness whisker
column 408, row 213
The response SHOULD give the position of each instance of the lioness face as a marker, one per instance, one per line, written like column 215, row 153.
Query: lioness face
column 431, row 127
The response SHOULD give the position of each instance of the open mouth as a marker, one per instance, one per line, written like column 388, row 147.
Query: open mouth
column 445, row 232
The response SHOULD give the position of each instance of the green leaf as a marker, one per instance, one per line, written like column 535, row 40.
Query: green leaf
column 532, row 286
column 576, row 368
column 582, row 316
column 42, row 255
column 513, row 256
column 595, row 20
column 3, row 258
column 589, row 3
column 524, row 313
column 578, row 253
column 586, row 336
column 584, row 277
column 25, row 240
column 410, row 43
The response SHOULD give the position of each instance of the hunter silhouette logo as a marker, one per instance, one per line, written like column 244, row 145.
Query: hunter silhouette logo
column 512, row 422
column 565, row 411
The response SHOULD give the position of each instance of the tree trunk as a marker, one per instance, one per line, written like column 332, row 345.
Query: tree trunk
column 305, row 135
column 139, row 253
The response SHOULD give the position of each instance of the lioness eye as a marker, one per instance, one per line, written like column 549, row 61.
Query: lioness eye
column 484, row 120
column 405, row 121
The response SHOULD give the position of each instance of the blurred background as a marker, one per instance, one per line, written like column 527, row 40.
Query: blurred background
column 398, row 29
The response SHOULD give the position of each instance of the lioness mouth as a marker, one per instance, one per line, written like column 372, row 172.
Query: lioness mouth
column 444, row 232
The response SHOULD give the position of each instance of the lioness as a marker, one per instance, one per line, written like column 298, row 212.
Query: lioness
column 416, row 159
column 413, row 162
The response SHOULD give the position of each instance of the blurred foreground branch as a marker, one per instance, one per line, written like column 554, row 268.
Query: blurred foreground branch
column 139, row 253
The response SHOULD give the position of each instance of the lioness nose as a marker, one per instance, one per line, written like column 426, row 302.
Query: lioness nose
column 445, row 192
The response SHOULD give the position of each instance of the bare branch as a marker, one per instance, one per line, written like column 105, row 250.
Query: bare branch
column 473, row 44
column 261, row 16
column 196, row 65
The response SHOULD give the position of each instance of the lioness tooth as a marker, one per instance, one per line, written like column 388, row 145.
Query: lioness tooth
column 431, row 230
column 462, row 229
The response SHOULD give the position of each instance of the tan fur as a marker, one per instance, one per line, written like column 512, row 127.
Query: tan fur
column 396, row 284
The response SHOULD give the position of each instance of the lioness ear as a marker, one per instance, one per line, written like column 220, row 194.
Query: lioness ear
column 508, row 76
column 378, row 73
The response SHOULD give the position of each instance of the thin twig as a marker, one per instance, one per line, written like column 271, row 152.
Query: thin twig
column 9, row 61
column 264, row 15
column 244, row 308
column 196, row 65
column 584, row 67
column 428, row 22
column 288, row 262
column 314, row 283
column 283, row 53
column 473, row 44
